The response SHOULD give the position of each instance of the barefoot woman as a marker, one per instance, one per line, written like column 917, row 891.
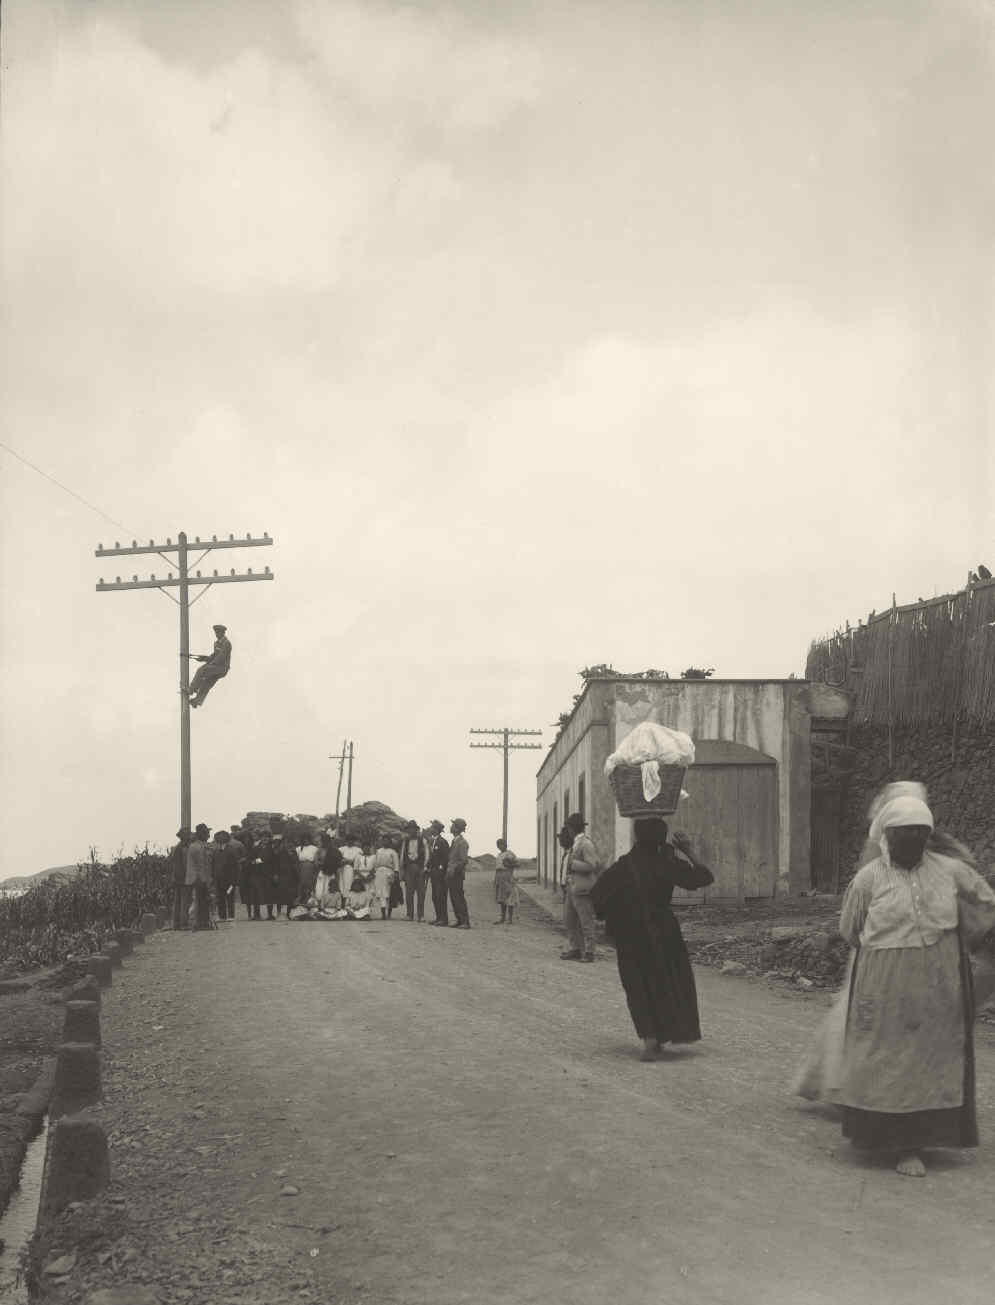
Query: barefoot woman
column 907, row 1075
column 633, row 897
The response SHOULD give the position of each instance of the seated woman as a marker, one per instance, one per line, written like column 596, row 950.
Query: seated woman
column 326, row 902
column 357, row 900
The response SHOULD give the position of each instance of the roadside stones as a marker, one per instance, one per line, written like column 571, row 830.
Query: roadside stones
column 732, row 967
column 86, row 990
column 818, row 942
column 82, row 1022
column 60, row 1265
column 100, row 967
column 805, row 984
column 124, row 940
column 77, row 1165
column 786, row 932
column 77, row 1079
column 113, row 950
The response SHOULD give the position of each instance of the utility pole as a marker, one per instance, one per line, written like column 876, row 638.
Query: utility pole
column 347, row 754
column 183, row 582
column 506, row 747
column 340, row 757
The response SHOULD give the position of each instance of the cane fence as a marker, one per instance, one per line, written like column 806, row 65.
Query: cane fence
column 928, row 661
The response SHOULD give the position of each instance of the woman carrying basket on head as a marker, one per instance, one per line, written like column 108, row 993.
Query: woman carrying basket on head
column 633, row 898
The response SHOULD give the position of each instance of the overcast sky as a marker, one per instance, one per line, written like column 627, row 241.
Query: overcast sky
column 536, row 335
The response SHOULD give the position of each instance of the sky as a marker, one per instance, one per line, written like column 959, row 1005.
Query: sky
column 536, row 335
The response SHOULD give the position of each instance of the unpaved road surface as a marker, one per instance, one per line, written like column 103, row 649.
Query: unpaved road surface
column 466, row 1120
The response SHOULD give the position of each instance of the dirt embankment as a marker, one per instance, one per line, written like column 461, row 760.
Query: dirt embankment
column 795, row 940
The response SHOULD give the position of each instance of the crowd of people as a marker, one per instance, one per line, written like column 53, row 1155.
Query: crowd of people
column 896, row 1052
column 330, row 876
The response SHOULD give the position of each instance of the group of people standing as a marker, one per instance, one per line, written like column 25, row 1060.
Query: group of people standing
column 328, row 878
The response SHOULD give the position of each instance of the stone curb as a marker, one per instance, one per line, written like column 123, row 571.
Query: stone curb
column 26, row 1124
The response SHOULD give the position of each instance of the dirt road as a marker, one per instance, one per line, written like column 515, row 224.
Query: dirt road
column 466, row 1119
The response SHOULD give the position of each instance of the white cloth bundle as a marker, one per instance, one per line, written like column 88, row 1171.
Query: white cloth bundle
column 649, row 746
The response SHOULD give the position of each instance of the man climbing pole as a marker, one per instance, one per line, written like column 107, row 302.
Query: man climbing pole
column 215, row 667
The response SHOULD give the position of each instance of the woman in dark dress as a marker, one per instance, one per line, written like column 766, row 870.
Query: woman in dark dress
column 633, row 898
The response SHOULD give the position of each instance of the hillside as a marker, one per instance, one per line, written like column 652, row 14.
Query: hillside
column 18, row 883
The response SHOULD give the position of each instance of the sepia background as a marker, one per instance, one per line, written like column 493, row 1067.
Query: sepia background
column 536, row 335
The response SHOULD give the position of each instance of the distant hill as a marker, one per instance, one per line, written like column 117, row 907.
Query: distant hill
column 18, row 883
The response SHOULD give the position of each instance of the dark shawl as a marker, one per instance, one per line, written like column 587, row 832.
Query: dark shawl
column 633, row 898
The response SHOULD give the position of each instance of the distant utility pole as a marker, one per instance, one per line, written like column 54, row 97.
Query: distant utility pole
column 342, row 757
column 183, row 582
column 506, row 748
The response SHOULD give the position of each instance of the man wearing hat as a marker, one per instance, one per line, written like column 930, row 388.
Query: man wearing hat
column 198, row 879
column 215, row 667
column 178, row 867
column 459, row 854
column 583, row 864
column 438, row 859
column 413, row 870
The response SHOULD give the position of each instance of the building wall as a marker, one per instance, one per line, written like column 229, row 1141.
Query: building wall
column 580, row 751
column 772, row 716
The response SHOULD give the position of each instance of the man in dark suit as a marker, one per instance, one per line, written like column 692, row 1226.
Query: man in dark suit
column 215, row 666
column 459, row 854
column 413, row 870
column 438, row 860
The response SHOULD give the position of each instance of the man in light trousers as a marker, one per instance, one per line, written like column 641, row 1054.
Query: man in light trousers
column 583, row 865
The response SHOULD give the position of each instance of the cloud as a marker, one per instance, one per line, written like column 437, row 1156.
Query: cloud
column 424, row 70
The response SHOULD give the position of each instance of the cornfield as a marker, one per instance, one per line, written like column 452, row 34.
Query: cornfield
column 70, row 917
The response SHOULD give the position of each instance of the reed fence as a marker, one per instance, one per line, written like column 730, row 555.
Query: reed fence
column 928, row 661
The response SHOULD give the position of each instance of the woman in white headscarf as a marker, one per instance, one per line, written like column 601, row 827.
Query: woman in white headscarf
column 906, row 1077
column 818, row 1078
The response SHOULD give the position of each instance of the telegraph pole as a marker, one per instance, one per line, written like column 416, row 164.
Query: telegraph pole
column 506, row 747
column 340, row 757
column 183, row 582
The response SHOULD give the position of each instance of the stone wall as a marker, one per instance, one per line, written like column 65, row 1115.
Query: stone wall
column 961, row 789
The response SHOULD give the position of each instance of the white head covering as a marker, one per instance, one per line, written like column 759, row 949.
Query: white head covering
column 900, row 811
column 902, row 788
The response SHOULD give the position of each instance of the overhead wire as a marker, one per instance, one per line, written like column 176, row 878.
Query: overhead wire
column 92, row 506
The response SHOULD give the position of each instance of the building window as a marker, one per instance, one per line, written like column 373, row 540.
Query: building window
column 582, row 796
column 566, row 804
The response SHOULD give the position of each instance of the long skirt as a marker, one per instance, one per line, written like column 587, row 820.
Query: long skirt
column 818, row 1077
column 658, row 981
column 907, row 1077
column 505, row 888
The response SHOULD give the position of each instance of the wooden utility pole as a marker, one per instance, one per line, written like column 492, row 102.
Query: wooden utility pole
column 183, row 582
column 347, row 754
column 506, row 747
column 340, row 757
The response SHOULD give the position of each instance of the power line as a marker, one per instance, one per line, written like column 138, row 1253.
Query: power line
column 506, row 747
column 92, row 506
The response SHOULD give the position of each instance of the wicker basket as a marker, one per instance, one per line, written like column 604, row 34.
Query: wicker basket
column 627, row 782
